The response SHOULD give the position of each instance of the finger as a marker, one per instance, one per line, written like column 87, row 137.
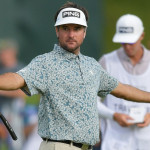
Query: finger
column 144, row 124
column 141, row 125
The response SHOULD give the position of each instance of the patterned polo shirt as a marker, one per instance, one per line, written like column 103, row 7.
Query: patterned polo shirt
column 68, row 85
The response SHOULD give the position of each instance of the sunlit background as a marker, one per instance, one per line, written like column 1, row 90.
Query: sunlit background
column 113, row 9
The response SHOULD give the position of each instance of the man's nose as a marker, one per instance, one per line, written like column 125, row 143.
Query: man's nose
column 71, row 33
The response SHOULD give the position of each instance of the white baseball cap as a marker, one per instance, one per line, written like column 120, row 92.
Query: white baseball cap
column 128, row 29
column 71, row 16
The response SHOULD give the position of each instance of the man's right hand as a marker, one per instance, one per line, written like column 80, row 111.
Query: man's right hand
column 122, row 119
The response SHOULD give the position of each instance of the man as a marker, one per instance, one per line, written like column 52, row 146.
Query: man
column 68, row 83
column 123, row 127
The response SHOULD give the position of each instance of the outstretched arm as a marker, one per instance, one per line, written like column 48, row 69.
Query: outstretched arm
column 131, row 93
column 11, row 81
column 13, row 94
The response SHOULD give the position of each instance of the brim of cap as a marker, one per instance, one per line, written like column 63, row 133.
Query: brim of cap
column 71, row 21
column 125, row 38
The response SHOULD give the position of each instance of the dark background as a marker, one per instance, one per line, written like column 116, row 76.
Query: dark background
column 31, row 23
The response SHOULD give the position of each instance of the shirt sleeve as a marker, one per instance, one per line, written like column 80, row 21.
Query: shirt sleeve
column 107, row 83
column 34, row 76
column 104, row 111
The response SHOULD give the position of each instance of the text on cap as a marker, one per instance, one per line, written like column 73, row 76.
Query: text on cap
column 71, row 14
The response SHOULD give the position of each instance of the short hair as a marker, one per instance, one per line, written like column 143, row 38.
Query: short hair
column 72, row 5
column 8, row 43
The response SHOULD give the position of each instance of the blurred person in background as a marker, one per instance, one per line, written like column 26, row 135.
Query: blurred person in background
column 130, row 64
column 32, row 139
column 97, row 146
column 11, row 102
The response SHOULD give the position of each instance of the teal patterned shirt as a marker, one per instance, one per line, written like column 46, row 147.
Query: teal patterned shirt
column 68, row 85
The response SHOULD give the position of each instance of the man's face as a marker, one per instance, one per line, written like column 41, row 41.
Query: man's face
column 8, row 57
column 133, row 49
column 70, row 37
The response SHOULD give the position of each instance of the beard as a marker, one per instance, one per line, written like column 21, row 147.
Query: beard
column 73, row 49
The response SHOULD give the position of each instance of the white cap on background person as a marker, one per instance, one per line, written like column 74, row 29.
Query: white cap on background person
column 71, row 16
column 128, row 29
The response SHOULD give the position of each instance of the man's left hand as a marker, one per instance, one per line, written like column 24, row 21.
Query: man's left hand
column 146, row 121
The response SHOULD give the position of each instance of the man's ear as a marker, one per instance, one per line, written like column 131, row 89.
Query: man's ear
column 85, row 32
column 57, row 30
column 142, row 36
column 84, row 35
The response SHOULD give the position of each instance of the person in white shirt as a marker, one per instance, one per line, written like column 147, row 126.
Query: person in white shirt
column 33, row 140
column 125, row 125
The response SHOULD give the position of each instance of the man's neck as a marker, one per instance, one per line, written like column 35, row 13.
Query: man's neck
column 136, row 58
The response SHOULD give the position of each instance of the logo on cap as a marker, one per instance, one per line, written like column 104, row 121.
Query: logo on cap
column 126, row 29
column 71, row 14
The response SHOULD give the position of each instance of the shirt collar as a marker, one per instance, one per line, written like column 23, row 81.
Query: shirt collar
column 65, row 53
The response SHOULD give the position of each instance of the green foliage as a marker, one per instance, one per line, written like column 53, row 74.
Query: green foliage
column 116, row 8
column 3, row 146
column 33, row 100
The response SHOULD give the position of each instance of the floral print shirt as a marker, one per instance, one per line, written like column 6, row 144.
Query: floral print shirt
column 68, row 85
